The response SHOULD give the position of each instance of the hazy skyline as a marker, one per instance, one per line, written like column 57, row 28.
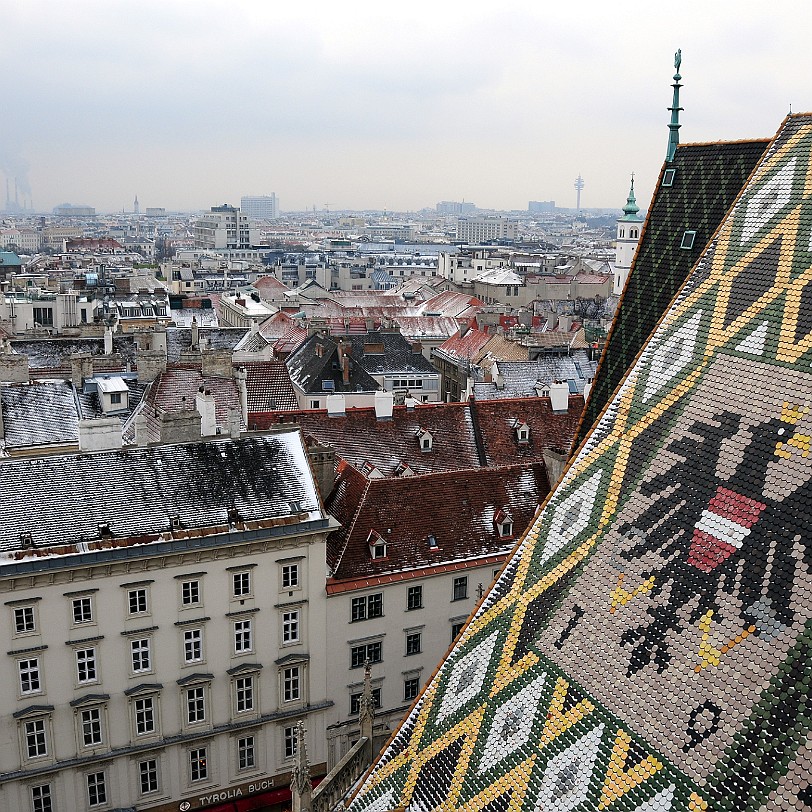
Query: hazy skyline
column 378, row 105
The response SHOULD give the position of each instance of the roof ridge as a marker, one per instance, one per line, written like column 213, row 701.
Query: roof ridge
column 351, row 527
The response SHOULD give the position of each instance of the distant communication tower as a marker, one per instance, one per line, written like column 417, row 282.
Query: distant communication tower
column 579, row 185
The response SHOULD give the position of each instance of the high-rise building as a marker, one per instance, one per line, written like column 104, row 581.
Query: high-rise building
column 484, row 229
column 224, row 227
column 260, row 207
column 541, row 206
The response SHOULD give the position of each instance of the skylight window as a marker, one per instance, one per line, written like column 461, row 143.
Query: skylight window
column 668, row 177
column 688, row 240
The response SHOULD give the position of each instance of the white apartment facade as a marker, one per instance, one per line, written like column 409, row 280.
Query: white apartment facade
column 160, row 659
column 260, row 207
column 224, row 227
column 483, row 229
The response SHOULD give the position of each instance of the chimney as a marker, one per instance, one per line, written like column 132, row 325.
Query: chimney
column 241, row 377
column 464, row 329
column 108, row 340
column 564, row 323
column 336, row 405
column 559, row 396
column 195, row 333
column 158, row 339
column 552, row 320
column 384, row 404
column 204, row 402
column 587, row 389
column 141, row 436
column 417, row 348
column 100, row 434
column 234, row 428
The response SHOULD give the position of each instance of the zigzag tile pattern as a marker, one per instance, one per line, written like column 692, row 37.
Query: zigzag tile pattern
column 707, row 179
column 648, row 648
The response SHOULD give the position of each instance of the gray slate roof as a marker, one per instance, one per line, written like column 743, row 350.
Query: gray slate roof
column 179, row 339
column 52, row 353
column 521, row 376
column 137, row 491
column 39, row 414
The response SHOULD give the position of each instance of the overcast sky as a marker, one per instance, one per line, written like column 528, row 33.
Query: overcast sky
column 378, row 104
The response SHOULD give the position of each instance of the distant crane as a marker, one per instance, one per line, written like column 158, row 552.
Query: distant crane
column 579, row 185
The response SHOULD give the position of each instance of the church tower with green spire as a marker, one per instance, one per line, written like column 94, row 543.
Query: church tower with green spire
column 628, row 235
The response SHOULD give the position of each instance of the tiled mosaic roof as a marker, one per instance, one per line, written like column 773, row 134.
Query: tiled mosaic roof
column 648, row 648
column 707, row 179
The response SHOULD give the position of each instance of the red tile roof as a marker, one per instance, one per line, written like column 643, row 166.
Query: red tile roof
column 269, row 387
column 359, row 437
column 276, row 326
column 270, row 285
column 497, row 420
column 464, row 347
column 456, row 507
column 175, row 390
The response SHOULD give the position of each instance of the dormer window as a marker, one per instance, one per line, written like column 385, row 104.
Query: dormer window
column 404, row 469
column 522, row 432
column 503, row 522
column 425, row 439
column 370, row 471
column 377, row 545
column 432, row 540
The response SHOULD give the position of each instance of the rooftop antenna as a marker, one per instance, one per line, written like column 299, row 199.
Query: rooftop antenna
column 579, row 185
column 674, row 125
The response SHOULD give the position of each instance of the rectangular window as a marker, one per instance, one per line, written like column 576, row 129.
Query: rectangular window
column 290, row 576
column 413, row 643
column 245, row 753
column 196, row 704
column 688, row 240
column 29, row 676
column 86, row 665
column 140, row 655
column 242, row 636
column 355, row 701
column 291, row 691
column 244, row 688
column 137, row 601
column 198, row 764
column 190, row 593
column 41, row 798
column 369, row 606
column 148, row 775
column 82, row 610
column 241, row 583
column 35, row 743
column 24, row 620
column 456, row 628
column 144, row 708
column 115, row 397
column 460, row 591
column 44, row 316
column 96, row 789
column 414, row 598
column 193, row 645
column 668, row 177
column 290, row 742
column 411, row 687
column 91, row 727
column 290, row 627
column 369, row 651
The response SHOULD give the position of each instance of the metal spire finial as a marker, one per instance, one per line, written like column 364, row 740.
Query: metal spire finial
column 674, row 125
